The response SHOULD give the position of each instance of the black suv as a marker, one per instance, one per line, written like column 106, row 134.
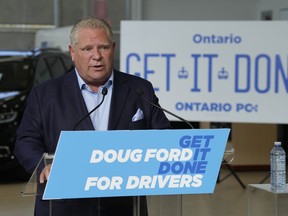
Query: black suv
column 19, row 72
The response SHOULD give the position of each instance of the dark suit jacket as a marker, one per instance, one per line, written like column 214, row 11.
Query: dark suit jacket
column 58, row 105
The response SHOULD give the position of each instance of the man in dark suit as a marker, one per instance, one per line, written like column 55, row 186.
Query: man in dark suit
column 61, row 103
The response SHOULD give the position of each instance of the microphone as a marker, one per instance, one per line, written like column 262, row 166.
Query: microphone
column 104, row 93
column 141, row 94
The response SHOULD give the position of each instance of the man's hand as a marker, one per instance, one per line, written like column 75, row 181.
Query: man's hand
column 45, row 174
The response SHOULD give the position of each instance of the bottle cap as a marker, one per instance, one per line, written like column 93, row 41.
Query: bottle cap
column 277, row 143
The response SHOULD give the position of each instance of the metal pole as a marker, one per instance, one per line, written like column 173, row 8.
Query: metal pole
column 128, row 10
column 56, row 13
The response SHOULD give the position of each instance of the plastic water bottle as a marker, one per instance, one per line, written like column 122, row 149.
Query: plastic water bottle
column 278, row 168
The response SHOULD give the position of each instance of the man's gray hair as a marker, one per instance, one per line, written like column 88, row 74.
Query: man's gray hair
column 91, row 23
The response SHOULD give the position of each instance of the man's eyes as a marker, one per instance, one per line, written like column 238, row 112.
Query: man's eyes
column 104, row 47
column 99, row 48
column 87, row 49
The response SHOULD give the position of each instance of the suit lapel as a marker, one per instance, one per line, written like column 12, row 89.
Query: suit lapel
column 75, row 98
column 120, row 93
column 119, row 96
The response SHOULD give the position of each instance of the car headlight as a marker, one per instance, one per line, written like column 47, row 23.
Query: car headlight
column 8, row 117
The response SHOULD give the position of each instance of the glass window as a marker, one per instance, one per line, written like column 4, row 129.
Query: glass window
column 14, row 75
column 51, row 67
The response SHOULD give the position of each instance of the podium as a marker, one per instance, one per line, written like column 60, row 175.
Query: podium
column 157, row 205
column 33, row 186
column 193, row 158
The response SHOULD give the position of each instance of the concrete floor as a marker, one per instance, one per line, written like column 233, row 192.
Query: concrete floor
column 229, row 198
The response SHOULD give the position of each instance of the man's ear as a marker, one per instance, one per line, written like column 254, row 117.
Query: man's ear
column 71, row 50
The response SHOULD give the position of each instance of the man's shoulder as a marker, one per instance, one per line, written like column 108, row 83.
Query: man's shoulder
column 130, row 77
column 57, row 81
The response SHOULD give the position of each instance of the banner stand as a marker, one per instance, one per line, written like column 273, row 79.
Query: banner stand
column 136, row 206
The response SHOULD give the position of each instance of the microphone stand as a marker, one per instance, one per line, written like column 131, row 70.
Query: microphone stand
column 104, row 93
column 141, row 94
column 136, row 206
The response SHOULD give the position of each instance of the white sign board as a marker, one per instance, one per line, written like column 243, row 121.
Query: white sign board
column 222, row 71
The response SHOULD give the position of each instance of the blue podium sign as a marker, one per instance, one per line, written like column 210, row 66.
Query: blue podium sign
column 133, row 163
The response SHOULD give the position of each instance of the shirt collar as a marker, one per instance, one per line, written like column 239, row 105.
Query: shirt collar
column 83, row 85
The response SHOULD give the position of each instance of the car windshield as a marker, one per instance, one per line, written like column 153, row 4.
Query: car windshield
column 14, row 75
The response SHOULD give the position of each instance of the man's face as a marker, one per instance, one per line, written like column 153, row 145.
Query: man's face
column 93, row 56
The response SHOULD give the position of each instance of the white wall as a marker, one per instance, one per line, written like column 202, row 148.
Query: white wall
column 199, row 9
column 209, row 9
column 274, row 5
